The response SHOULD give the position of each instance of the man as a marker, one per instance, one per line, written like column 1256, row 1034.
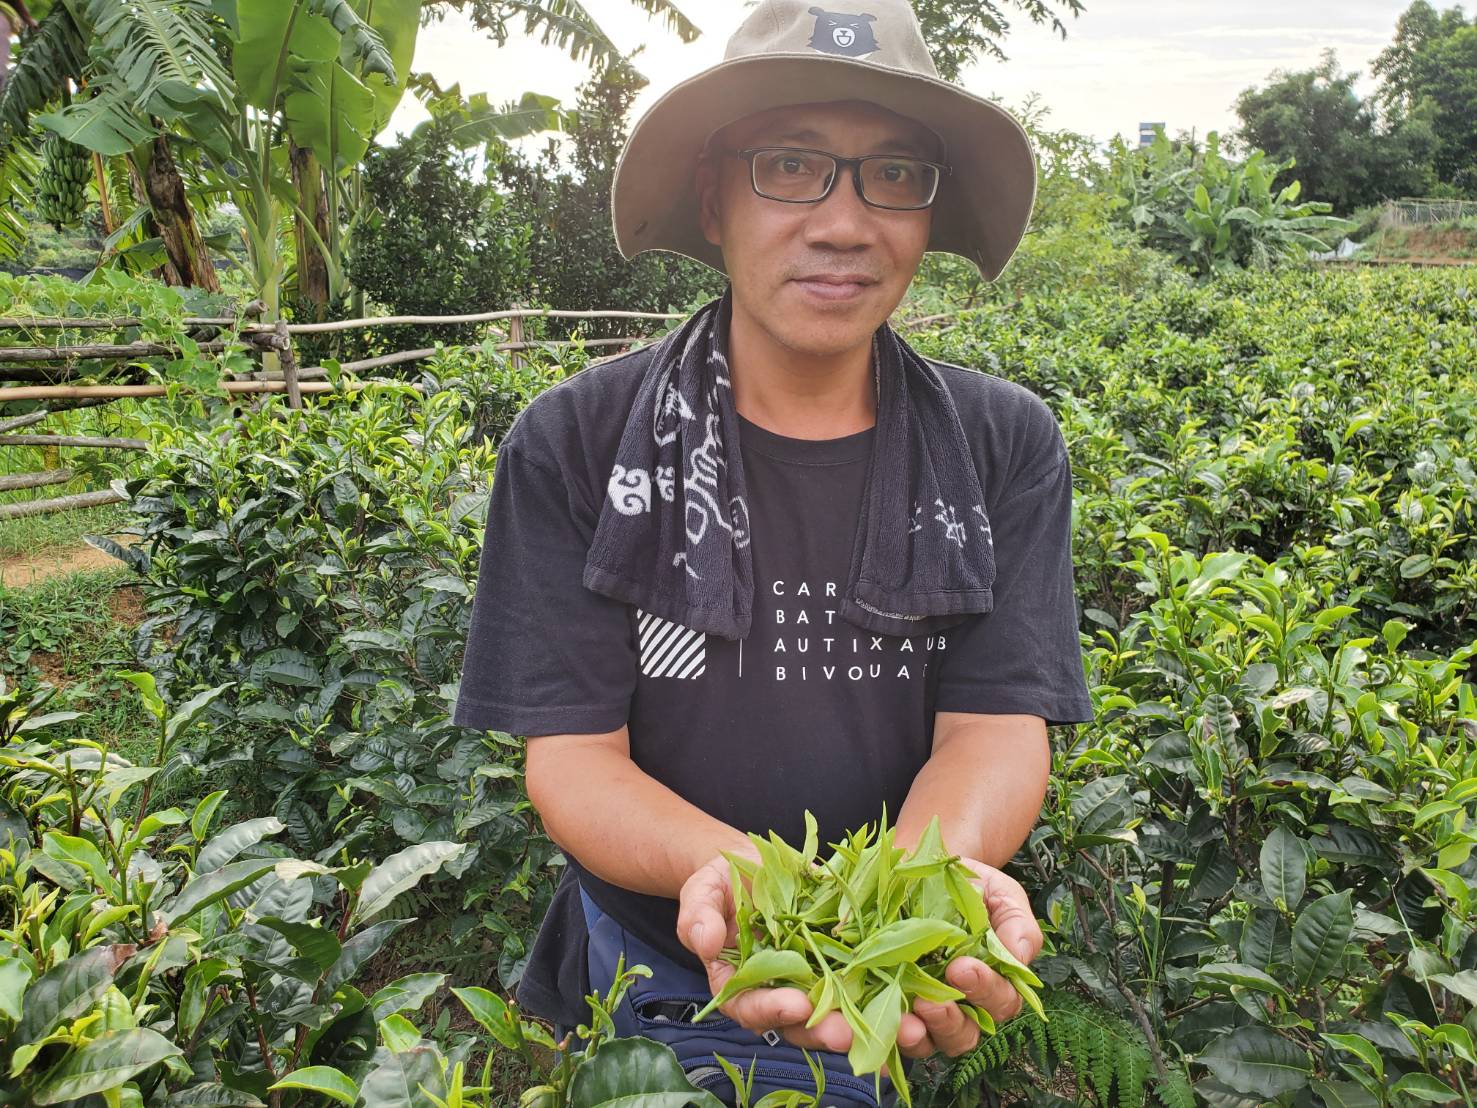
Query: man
column 778, row 561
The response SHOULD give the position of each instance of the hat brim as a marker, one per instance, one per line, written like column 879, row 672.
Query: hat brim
column 983, row 205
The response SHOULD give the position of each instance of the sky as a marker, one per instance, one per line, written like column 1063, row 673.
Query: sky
column 1123, row 62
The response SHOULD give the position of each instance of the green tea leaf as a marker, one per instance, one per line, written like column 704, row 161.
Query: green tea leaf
column 905, row 940
column 105, row 1063
column 323, row 1080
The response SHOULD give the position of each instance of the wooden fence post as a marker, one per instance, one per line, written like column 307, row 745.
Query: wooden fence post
column 289, row 365
column 515, row 334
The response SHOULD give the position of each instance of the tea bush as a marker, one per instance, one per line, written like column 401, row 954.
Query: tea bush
column 151, row 957
column 1254, row 866
column 320, row 562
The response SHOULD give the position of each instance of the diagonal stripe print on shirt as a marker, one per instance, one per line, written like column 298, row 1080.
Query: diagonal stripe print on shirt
column 668, row 649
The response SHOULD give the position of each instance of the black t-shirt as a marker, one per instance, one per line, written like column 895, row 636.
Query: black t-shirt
column 808, row 711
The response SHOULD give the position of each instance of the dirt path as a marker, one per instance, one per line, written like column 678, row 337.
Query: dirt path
column 20, row 570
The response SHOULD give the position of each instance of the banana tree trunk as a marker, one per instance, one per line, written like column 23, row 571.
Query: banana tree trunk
column 166, row 272
column 176, row 222
column 312, row 271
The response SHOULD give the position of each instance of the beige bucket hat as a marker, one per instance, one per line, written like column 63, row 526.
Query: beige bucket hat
column 796, row 52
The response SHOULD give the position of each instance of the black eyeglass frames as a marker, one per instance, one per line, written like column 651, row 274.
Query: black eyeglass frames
column 798, row 175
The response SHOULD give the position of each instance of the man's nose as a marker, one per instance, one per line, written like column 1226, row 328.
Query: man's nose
column 843, row 217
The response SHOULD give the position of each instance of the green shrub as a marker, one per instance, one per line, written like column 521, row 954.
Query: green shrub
column 322, row 562
column 436, row 240
column 1257, row 858
column 572, row 257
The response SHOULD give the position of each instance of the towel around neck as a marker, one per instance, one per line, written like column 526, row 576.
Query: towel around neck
column 673, row 535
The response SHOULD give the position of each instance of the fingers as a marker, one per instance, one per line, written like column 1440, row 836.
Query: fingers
column 950, row 1029
column 913, row 1038
column 832, row 1033
column 762, row 1009
column 1010, row 911
column 984, row 988
column 704, row 913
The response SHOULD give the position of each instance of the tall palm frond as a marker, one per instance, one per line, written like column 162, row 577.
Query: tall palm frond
column 147, row 60
column 18, row 168
column 672, row 18
column 51, row 54
column 568, row 25
column 161, row 50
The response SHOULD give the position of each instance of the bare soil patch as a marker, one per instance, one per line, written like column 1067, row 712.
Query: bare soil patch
column 21, row 570
column 126, row 605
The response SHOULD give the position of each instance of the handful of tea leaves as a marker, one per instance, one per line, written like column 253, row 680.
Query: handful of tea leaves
column 865, row 933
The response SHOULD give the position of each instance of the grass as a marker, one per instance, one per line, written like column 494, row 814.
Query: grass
column 73, row 631
column 1456, row 239
column 30, row 536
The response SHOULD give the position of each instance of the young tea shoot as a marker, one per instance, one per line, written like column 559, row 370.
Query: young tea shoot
column 865, row 933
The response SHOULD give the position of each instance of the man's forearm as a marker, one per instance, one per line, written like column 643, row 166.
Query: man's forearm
column 985, row 781
column 622, row 824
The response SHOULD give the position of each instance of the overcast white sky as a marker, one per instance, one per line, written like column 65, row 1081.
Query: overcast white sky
column 1123, row 61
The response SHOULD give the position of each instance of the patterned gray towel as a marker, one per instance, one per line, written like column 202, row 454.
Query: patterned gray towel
column 673, row 535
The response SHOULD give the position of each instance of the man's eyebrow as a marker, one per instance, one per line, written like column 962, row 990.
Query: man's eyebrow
column 893, row 145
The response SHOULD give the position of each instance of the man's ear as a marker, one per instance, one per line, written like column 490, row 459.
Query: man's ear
column 706, row 184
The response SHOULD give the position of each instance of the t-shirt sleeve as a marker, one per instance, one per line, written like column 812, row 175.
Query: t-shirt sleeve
column 1024, row 656
column 545, row 655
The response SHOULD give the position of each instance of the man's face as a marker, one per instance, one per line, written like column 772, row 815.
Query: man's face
column 784, row 260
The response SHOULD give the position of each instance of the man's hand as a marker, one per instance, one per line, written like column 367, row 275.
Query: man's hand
column 946, row 1027
column 706, row 923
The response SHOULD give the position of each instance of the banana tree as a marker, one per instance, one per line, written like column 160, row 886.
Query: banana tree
column 121, row 72
column 1210, row 214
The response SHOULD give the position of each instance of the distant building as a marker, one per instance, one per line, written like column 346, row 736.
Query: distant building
column 1146, row 133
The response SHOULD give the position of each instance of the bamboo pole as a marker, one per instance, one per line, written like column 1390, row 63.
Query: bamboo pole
column 14, row 481
column 102, row 350
column 22, row 421
column 41, row 322
column 76, row 440
column 479, row 317
column 118, row 392
column 515, row 337
column 426, row 352
column 60, row 504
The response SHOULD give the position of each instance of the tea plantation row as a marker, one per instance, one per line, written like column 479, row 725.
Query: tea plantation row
column 1254, row 866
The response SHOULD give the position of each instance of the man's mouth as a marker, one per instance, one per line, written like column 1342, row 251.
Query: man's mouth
column 834, row 286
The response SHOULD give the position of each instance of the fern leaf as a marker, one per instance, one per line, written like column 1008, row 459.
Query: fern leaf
column 1131, row 1072
column 1101, row 1055
column 1175, row 1092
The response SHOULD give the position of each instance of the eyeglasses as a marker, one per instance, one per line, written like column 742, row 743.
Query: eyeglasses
column 796, row 175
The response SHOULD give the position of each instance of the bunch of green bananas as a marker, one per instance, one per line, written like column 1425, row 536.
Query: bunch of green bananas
column 65, row 168
column 866, row 933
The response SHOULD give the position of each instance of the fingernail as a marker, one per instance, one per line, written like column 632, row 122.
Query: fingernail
column 1023, row 950
column 695, row 933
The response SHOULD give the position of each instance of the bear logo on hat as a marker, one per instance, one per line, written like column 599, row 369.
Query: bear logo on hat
column 843, row 33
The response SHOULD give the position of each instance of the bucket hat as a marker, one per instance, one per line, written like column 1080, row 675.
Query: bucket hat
column 797, row 52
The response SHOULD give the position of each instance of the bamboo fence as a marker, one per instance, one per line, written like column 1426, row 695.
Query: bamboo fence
column 46, row 362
